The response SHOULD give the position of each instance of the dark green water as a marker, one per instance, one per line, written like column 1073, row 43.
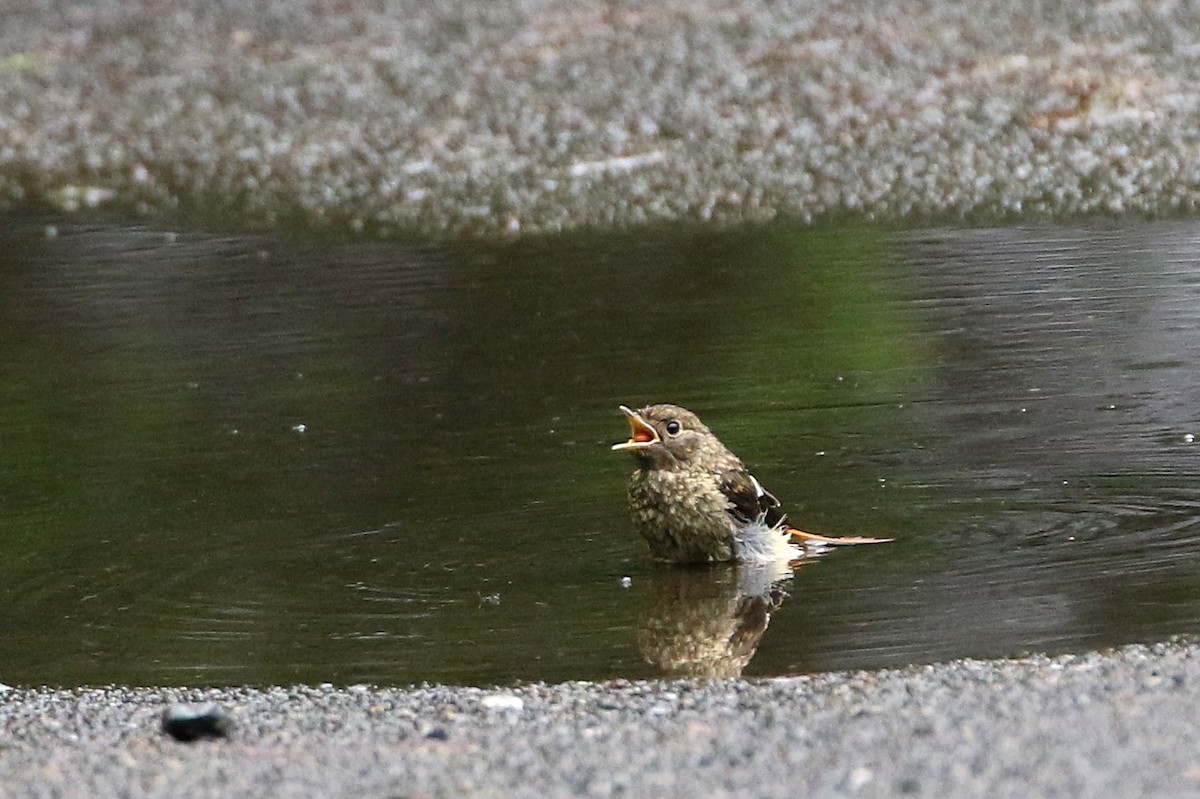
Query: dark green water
column 270, row 460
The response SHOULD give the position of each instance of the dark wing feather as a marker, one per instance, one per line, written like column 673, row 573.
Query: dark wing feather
column 750, row 500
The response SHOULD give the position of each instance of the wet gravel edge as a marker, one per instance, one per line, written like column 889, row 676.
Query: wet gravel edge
column 1119, row 723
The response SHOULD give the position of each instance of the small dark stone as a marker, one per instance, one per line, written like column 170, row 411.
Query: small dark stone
column 437, row 734
column 191, row 722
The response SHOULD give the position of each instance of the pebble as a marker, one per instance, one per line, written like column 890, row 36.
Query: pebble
column 502, row 702
column 191, row 722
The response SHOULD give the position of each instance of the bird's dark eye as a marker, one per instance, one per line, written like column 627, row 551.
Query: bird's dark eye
column 673, row 428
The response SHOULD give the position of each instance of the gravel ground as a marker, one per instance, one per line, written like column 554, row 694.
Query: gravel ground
column 402, row 117
column 1116, row 724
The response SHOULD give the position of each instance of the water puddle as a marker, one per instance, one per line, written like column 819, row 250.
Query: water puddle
column 274, row 460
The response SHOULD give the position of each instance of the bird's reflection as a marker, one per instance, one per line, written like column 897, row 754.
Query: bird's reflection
column 707, row 622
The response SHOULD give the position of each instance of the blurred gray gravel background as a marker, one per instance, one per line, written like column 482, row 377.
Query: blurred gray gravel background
column 401, row 117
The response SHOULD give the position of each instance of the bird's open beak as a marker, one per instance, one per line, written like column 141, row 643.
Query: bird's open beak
column 641, row 435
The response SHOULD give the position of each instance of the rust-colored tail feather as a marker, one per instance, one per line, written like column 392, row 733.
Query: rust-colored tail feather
column 834, row 541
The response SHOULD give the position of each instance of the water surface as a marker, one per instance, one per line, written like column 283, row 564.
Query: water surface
column 277, row 459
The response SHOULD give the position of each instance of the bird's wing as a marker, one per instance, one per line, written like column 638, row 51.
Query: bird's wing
column 749, row 499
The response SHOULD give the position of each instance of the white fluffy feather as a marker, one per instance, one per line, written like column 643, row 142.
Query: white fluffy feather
column 758, row 542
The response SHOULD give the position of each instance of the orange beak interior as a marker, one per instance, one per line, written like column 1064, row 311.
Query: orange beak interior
column 640, row 434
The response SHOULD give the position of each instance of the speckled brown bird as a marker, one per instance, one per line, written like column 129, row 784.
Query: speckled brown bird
column 694, row 501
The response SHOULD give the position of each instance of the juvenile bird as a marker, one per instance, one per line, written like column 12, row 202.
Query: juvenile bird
column 694, row 501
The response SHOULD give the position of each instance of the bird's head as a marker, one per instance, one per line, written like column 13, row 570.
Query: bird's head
column 667, row 437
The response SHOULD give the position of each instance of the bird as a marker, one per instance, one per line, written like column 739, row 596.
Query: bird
column 694, row 501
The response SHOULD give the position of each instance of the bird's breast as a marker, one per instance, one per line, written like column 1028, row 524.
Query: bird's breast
column 682, row 514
